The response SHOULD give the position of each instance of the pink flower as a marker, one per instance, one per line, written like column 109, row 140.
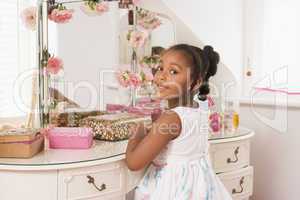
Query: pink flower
column 94, row 8
column 137, row 39
column 28, row 17
column 102, row 7
column 123, row 78
column 61, row 15
column 135, row 80
column 128, row 78
column 148, row 20
column 54, row 65
column 149, row 25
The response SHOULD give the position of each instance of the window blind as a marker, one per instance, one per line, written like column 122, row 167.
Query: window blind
column 17, row 58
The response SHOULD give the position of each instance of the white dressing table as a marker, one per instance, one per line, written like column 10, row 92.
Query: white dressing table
column 101, row 173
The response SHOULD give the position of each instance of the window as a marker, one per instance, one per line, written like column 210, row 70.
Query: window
column 17, row 59
column 272, row 40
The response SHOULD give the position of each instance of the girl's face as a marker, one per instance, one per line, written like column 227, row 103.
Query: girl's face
column 173, row 75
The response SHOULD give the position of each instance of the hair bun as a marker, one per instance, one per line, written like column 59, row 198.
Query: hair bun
column 213, row 59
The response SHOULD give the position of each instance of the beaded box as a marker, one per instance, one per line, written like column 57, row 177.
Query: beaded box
column 114, row 127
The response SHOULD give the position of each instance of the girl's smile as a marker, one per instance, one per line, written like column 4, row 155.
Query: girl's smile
column 172, row 76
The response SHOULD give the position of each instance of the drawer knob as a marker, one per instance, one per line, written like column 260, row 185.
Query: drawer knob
column 91, row 180
column 234, row 191
column 236, row 159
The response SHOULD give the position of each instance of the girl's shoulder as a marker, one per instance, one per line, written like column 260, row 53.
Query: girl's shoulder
column 168, row 122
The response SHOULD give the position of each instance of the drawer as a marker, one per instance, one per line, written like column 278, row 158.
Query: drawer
column 230, row 156
column 239, row 183
column 98, row 182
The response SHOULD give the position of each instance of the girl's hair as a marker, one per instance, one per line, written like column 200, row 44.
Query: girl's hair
column 204, row 63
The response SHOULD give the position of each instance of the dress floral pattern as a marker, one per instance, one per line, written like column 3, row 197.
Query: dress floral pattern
column 182, row 171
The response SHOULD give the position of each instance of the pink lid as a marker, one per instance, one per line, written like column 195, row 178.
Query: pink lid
column 70, row 131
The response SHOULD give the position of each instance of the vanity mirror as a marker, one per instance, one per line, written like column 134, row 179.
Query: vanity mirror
column 84, row 43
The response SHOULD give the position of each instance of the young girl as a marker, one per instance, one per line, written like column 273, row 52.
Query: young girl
column 176, row 146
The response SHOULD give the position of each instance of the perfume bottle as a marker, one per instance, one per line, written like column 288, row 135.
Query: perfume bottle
column 230, row 118
column 214, row 118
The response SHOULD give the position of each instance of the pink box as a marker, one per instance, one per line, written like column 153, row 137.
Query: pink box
column 144, row 107
column 70, row 138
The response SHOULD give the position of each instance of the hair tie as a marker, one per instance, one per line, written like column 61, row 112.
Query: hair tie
column 203, row 91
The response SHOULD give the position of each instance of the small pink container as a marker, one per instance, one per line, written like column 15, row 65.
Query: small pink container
column 144, row 107
column 70, row 138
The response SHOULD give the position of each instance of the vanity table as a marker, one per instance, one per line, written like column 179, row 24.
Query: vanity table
column 101, row 172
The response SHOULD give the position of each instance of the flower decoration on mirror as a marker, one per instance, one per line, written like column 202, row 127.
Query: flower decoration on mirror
column 54, row 65
column 151, row 62
column 123, row 77
column 94, row 7
column 59, row 13
column 137, row 38
column 127, row 78
column 147, row 20
column 135, row 79
column 29, row 18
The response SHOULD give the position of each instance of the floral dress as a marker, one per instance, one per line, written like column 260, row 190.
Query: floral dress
column 182, row 171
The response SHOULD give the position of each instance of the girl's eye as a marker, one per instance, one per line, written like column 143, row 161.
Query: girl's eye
column 159, row 68
column 173, row 71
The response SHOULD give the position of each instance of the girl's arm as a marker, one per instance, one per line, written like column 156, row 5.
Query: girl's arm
column 142, row 149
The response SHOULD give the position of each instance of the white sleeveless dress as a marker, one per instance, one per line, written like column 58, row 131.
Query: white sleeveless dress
column 182, row 171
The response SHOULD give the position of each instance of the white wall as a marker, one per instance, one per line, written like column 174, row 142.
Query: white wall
column 217, row 23
column 89, row 48
column 274, row 152
column 276, row 167
column 274, row 155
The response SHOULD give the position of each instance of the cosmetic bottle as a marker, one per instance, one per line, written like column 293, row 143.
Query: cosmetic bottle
column 230, row 121
column 214, row 117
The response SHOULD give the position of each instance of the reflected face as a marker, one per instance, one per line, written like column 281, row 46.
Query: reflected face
column 173, row 75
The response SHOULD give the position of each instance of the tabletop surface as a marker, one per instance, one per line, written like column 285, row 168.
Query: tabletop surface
column 101, row 150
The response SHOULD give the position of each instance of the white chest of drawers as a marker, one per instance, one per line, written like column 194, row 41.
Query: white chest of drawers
column 101, row 173
column 230, row 159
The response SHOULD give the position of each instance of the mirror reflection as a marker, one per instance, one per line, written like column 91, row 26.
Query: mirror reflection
column 94, row 44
